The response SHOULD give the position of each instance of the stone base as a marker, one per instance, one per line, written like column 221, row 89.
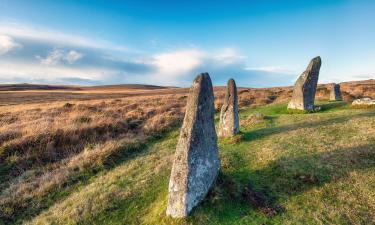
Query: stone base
column 301, row 111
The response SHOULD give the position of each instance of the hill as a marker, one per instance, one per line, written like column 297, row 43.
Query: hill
column 127, row 86
column 97, row 157
column 34, row 87
column 247, row 96
column 28, row 87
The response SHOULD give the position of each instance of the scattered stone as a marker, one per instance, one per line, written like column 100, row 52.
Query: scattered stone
column 196, row 163
column 305, row 87
column 335, row 93
column 364, row 102
column 229, row 122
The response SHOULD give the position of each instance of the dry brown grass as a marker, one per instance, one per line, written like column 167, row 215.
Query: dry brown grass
column 42, row 145
column 43, row 133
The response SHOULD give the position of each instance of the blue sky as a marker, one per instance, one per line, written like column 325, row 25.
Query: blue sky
column 259, row 43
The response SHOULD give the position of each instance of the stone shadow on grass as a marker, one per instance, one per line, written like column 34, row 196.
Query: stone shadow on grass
column 264, row 132
column 265, row 190
column 329, row 106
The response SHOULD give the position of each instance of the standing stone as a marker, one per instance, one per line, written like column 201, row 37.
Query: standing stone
column 196, row 163
column 305, row 87
column 335, row 93
column 229, row 122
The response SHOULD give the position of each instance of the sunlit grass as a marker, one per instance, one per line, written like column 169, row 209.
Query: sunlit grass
column 309, row 169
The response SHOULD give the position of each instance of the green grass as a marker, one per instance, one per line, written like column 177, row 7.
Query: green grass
column 316, row 168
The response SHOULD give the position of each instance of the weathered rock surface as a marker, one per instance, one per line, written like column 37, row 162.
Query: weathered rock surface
column 196, row 163
column 335, row 93
column 364, row 102
column 229, row 122
column 305, row 87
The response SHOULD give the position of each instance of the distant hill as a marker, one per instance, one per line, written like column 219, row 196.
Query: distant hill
column 30, row 87
column 18, row 93
column 26, row 87
column 126, row 86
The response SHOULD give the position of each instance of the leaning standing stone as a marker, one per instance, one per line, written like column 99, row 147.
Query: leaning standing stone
column 305, row 87
column 335, row 93
column 196, row 163
column 229, row 122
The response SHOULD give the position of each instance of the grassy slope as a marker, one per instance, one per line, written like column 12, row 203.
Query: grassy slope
column 314, row 168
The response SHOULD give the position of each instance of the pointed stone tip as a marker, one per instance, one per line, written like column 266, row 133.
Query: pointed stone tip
column 317, row 59
column 231, row 83
column 201, row 77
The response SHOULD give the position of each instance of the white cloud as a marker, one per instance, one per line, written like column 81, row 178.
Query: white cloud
column 178, row 62
column 57, row 56
column 45, row 35
column 54, row 57
column 73, row 56
column 179, row 66
column 228, row 56
column 272, row 69
column 171, row 67
column 7, row 44
column 30, row 71
column 186, row 60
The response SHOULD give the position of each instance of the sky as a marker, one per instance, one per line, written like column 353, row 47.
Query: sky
column 259, row 43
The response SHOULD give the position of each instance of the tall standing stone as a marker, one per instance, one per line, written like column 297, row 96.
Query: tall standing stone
column 196, row 163
column 305, row 87
column 229, row 122
column 335, row 93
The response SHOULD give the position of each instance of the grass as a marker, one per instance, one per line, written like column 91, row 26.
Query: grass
column 313, row 168
column 49, row 150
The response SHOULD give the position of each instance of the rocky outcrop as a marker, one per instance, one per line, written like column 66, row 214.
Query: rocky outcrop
column 305, row 87
column 335, row 93
column 196, row 163
column 229, row 122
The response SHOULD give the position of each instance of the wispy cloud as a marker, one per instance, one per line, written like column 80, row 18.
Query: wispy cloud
column 58, row 56
column 178, row 67
column 272, row 69
column 179, row 61
column 55, row 57
column 7, row 44
column 228, row 56
column 73, row 56
column 20, row 72
column 46, row 35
